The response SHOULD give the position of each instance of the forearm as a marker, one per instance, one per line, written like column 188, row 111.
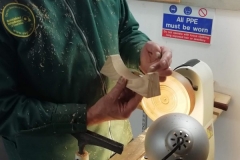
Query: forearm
column 131, row 40
column 21, row 114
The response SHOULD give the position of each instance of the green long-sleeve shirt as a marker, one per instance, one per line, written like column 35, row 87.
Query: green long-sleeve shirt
column 51, row 52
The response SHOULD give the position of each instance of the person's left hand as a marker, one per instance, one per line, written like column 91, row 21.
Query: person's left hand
column 155, row 58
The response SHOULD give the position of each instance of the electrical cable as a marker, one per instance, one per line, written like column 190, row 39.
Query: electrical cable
column 180, row 142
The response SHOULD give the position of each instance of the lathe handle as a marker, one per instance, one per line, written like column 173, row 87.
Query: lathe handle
column 101, row 141
column 91, row 138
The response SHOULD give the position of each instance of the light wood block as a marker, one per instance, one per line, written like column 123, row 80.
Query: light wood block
column 217, row 111
column 166, row 1
column 221, row 98
column 146, row 85
column 215, row 118
column 221, row 101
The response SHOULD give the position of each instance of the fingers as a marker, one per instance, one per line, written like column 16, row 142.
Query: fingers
column 126, row 95
column 166, row 59
column 162, row 73
column 164, row 62
column 154, row 51
column 133, row 103
column 159, row 67
column 162, row 79
column 155, row 58
column 118, row 88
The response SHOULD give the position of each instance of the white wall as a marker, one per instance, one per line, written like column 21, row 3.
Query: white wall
column 220, row 4
column 223, row 56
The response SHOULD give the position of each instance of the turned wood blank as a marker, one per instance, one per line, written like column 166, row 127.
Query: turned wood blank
column 146, row 85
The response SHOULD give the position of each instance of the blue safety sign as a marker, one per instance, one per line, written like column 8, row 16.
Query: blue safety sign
column 188, row 23
column 187, row 10
column 173, row 9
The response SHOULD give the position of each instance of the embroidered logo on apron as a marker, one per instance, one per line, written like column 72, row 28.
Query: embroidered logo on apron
column 18, row 19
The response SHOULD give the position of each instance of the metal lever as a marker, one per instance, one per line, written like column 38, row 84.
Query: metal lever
column 92, row 138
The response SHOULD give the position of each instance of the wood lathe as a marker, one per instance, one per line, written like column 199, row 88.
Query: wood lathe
column 188, row 91
column 199, row 104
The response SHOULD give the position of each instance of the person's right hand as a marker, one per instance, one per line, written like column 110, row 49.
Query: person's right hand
column 118, row 104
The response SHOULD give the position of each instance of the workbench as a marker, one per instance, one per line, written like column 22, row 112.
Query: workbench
column 135, row 149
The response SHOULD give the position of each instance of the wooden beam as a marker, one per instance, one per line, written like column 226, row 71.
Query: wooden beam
column 217, row 111
column 146, row 85
column 166, row 1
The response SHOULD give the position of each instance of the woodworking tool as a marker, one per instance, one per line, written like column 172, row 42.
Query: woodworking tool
column 91, row 138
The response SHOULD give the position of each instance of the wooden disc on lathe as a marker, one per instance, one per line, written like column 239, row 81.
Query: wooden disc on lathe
column 174, row 98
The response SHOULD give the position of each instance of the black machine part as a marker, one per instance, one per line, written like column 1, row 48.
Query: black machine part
column 92, row 138
column 190, row 63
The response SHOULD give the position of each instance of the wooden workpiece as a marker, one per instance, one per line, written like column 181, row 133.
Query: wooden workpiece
column 174, row 98
column 135, row 149
column 146, row 85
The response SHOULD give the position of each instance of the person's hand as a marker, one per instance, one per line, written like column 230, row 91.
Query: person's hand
column 155, row 58
column 118, row 104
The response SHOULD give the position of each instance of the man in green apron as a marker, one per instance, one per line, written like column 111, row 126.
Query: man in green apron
column 51, row 53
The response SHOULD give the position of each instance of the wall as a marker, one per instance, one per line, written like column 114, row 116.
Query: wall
column 219, row 4
column 222, row 56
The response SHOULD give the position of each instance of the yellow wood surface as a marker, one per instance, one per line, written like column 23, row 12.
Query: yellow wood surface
column 218, row 97
column 174, row 98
